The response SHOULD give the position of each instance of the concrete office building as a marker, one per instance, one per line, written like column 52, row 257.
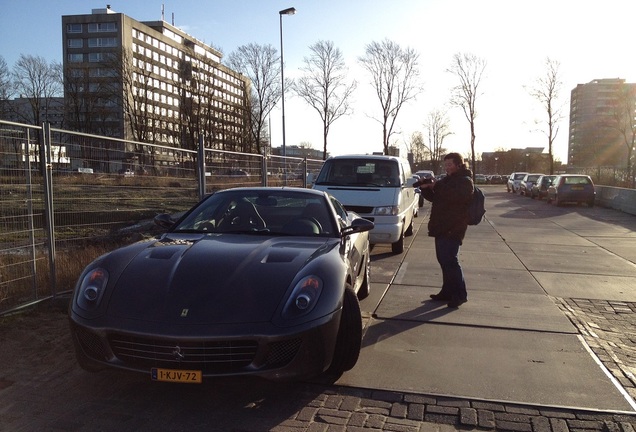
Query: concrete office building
column 150, row 82
column 597, row 110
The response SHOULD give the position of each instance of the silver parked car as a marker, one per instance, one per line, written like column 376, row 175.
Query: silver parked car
column 514, row 181
column 525, row 186
column 540, row 187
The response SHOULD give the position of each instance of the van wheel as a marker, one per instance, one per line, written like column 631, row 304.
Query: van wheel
column 398, row 246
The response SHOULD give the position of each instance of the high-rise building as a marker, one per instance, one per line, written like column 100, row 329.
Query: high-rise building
column 598, row 112
column 150, row 82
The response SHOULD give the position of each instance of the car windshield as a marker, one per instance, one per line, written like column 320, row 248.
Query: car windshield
column 360, row 172
column 519, row 176
column 280, row 212
column 533, row 178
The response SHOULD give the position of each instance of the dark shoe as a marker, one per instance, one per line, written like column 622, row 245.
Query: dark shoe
column 455, row 303
column 440, row 297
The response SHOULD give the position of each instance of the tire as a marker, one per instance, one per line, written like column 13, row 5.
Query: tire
column 365, row 288
column 349, row 339
column 398, row 246
column 590, row 203
column 557, row 202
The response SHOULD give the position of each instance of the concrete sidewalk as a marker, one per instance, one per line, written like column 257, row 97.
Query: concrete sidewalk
column 512, row 342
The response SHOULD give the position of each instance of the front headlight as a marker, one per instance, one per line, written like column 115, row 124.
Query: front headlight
column 92, row 289
column 303, row 298
column 386, row 211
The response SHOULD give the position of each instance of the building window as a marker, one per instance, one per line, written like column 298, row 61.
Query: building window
column 102, row 27
column 75, row 43
column 95, row 57
column 75, row 58
column 73, row 28
column 102, row 42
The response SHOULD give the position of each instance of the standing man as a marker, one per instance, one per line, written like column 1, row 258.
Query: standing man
column 450, row 198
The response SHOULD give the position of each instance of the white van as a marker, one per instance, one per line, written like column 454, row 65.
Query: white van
column 378, row 188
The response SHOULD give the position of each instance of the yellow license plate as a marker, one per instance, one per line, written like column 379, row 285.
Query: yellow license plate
column 176, row 375
column 577, row 188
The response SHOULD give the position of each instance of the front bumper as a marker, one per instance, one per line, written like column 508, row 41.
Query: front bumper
column 224, row 350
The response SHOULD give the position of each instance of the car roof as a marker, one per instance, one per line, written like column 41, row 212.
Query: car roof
column 368, row 156
column 276, row 188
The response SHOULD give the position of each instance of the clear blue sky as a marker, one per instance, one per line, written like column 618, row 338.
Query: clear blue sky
column 591, row 40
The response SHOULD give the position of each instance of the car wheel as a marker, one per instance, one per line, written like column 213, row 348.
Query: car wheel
column 349, row 340
column 590, row 203
column 365, row 288
column 557, row 202
column 398, row 246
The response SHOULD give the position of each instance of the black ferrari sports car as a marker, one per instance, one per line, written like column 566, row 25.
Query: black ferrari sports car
column 262, row 281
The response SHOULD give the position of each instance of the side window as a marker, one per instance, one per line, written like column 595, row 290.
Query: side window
column 340, row 211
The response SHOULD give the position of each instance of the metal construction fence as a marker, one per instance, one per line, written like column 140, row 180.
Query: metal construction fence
column 68, row 197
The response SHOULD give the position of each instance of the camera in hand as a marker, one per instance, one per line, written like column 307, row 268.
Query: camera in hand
column 423, row 181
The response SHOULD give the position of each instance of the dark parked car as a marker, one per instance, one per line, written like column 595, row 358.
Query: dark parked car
column 481, row 179
column 496, row 179
column 261, row 281
column 540, row 187
column 575, row 188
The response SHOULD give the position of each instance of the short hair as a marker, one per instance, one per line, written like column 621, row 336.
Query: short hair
column 456, row 157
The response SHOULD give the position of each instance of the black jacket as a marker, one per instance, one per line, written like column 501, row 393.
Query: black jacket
column 450, row 198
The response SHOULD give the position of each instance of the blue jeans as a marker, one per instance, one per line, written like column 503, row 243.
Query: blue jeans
column 453, row 284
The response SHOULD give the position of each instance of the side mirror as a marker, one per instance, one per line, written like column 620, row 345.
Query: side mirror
column 164, row 220
column 410, row 182
column 357, row 226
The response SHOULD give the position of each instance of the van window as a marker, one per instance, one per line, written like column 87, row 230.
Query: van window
column 360, row 172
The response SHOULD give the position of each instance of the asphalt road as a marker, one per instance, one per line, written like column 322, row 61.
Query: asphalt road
column 545, row 343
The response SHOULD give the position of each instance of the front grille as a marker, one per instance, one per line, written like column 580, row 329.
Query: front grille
column 90, row 343
column 281, row 353
column 209, row 357
column 359, row 209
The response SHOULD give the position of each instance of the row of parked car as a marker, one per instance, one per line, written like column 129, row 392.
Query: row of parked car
column 576, row 188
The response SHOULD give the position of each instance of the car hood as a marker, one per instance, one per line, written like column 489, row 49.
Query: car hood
column 213, row 279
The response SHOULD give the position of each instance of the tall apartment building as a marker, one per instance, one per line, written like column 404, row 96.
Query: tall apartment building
column 150, row 82
column 597, row 110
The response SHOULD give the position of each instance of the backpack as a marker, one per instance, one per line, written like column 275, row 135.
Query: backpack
column 477, row 208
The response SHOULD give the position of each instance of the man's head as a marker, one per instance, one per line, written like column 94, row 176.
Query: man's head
column 453, row 162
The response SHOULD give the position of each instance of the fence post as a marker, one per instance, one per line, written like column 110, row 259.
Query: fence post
column 264, row 167
column 201, row 167
column 29, row 203
column 305, row 172
column 47, row 176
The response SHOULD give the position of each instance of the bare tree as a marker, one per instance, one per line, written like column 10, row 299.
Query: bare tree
column 418, row 149
column 38, row 81
column 261, row 64
column 623, row 120
column 5, row 87
column 469, row 69
column 324, row 85
column 547, row 91
column 394, row 76
column 438, row 128
column 84, row 100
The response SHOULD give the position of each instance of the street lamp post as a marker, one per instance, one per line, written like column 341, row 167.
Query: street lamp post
column 288, row 11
